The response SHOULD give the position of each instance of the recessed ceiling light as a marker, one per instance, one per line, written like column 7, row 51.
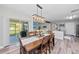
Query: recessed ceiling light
column 74, row 16
column 71, row 17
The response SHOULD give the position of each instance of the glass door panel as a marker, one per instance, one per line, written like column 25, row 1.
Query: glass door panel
column 15, row 28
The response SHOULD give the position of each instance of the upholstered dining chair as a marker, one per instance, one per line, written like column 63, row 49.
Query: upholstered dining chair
column 45, row 45
column 52, row 43
column 32, row 33
column 22, row 49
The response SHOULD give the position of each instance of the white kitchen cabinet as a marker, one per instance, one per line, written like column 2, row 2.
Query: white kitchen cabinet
column 59, row 35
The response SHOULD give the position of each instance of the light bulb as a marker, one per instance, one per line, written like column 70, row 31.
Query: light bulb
column 70, row 17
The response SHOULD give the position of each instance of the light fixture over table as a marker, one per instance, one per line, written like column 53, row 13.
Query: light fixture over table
column 38, row 18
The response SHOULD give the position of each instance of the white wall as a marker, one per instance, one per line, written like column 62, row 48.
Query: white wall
column 5, row 15
column 10, row 13
column 1, row 30
column 4, row 32
column 70, row 28
column 30, row 24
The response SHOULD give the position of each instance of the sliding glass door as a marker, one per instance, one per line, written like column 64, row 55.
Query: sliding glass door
column 15, row 28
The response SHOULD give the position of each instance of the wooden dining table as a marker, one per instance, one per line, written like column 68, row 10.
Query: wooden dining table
column 32, row 42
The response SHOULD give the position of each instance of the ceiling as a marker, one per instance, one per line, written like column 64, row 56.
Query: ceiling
column 50, row 11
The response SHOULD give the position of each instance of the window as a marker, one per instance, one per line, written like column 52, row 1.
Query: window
column 35, row 25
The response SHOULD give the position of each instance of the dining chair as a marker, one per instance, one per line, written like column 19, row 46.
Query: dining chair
column 51, row 42
column 45, row 45
column 32, row 33
column 22, row 49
